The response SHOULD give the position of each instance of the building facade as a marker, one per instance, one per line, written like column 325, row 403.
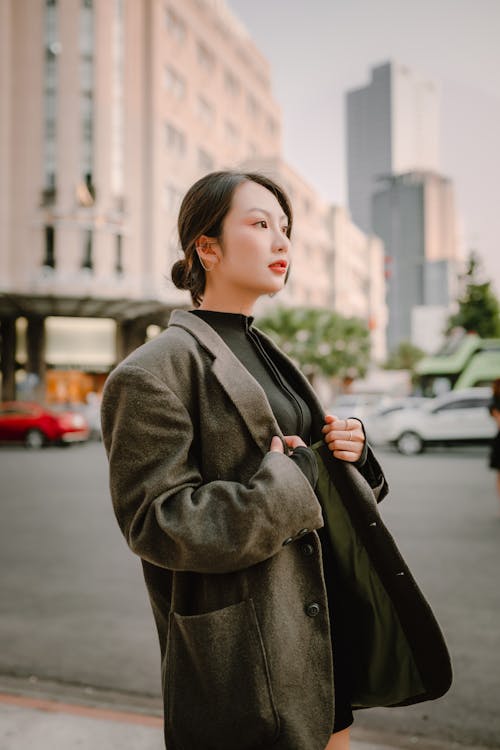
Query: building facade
column 358, row 277
column 414, row 214
column 123, row 105
column 392, row 127
column 396, row 191
column 111, row 109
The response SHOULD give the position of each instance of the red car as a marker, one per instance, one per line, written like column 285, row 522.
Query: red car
column 35, row 425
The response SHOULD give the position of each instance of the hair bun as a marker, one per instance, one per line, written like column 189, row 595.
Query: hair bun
column 179, row 274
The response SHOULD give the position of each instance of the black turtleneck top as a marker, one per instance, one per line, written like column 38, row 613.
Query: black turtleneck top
column 289, row 408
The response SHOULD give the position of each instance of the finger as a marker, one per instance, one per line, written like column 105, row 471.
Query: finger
column 330, row 418
column 346, row 456
column 276, row 445
column 347, row 424
column 343, row 445
column 294, row 441
column 355, row 436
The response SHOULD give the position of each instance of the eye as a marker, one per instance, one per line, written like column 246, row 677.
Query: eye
column 262, row 222
column 284, row 230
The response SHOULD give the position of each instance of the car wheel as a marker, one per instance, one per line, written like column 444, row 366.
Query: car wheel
column 409, row 444
column 34, row 439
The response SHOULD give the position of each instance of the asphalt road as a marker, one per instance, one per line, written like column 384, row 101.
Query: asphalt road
column 74, row 609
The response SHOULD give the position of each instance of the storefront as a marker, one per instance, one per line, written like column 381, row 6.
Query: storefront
column 79, row 353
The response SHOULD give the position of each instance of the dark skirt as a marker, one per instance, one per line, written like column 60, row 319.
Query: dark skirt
column 495, row 453
column 340, row 629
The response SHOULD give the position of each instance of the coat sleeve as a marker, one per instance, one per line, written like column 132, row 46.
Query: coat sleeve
column 167, row 514
column 369, row 467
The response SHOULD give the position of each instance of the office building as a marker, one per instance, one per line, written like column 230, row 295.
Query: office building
column 392, row 127
column 414, row 214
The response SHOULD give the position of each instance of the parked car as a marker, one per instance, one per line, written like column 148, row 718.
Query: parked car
column 36, row 426
column 378, row 423
column 456, row 418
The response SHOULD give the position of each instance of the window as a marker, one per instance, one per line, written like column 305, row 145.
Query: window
column 205, row 111
column 271, row 125
column 465, row 403
column 117, row 100
column 174, row 82
column 205, row 161
column 253, row 106
column 206, row 58
column 119, row 255
column 52, row 50
column 176, row 140
column 86, row 48
column 87, row 260
column 232, row 134
column 231, row 83
column 175, row 25
column 49, row 257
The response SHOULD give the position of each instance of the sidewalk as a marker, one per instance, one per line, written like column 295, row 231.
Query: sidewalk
column 46, row 727
column 48, row 716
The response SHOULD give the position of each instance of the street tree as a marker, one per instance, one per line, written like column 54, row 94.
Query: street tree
column 478, row 307
column 404, row 357
column 320, row 342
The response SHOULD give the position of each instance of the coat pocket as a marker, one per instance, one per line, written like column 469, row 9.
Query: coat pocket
column 218, row 688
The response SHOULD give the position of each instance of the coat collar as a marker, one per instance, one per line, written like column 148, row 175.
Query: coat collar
column 242, row 388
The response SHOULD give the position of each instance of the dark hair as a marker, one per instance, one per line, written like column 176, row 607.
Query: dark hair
column 495, row 386
column 203, row 210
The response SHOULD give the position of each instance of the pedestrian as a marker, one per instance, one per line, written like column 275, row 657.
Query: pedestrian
column 494, row 409
column 280, row 599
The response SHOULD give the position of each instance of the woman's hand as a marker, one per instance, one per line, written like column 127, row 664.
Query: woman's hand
column 344, row 437
column 292, row 441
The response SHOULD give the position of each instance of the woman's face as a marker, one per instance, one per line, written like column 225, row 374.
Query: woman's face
column 254, row 251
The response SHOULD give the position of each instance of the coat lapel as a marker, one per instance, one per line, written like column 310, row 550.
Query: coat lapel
column 244, row 391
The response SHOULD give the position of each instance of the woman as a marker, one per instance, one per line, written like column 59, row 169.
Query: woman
column 494, row 409
column 214, row 441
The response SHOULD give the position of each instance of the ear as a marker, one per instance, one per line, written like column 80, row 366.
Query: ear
column 208, row 251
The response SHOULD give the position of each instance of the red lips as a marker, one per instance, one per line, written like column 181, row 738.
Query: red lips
column 279, row 264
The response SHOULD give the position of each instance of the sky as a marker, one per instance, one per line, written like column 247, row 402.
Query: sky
column 318, row 49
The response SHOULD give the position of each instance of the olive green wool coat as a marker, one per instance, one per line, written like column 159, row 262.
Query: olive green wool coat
column 227, row 534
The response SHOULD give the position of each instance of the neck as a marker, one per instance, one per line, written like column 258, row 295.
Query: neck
column 233, row 302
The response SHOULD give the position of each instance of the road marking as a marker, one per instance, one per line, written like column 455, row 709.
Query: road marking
column 90, row 712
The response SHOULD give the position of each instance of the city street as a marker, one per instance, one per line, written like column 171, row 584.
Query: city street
column 74, row 609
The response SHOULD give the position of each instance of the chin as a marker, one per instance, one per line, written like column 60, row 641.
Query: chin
column 271, row 289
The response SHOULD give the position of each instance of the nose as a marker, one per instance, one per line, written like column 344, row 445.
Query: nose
column 281, row 242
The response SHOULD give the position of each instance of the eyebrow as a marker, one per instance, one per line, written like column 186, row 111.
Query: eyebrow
column 268, row 213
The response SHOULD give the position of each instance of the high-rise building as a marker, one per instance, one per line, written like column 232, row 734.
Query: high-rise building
column 392, row 127
column 396, row 191
column 414, row 213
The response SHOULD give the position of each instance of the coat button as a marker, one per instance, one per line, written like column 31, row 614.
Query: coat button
column 288, row 541
column 307, row 549
column 303, row 532
column 312, row 609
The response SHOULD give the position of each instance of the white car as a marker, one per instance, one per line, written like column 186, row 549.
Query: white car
column 456, row 418
column 378, row 424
